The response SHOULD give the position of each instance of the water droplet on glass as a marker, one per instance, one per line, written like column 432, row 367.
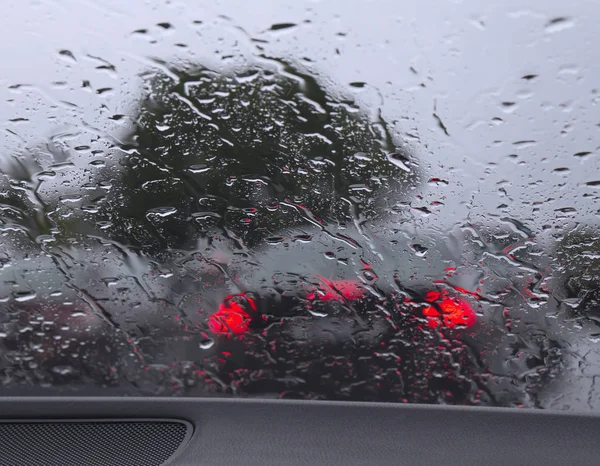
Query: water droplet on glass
column 559, row 24
column 24, row 296
column 207, row 344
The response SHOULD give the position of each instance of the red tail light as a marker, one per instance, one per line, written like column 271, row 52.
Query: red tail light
column 450, row 312
column 231, row 318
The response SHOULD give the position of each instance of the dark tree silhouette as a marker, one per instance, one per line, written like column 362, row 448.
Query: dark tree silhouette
column 577, row 262
column 246, row 154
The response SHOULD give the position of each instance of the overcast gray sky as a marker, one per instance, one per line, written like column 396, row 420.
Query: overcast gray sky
column 470, row 55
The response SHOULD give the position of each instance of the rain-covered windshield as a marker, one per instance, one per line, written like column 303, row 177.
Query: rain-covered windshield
column 301, row 200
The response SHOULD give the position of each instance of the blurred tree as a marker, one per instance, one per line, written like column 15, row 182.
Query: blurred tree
column 577, row 263
column 21, row 206
column 244, row 155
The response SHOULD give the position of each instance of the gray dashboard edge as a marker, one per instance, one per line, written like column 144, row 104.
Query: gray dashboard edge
column 273, row 432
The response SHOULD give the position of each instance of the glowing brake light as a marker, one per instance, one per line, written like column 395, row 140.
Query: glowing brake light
column 232, row 318
column 450, row 312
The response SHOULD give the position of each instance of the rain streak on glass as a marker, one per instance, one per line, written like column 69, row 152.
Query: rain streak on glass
column 214, row 211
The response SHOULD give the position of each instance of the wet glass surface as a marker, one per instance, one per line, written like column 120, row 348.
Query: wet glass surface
column 301, row 200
